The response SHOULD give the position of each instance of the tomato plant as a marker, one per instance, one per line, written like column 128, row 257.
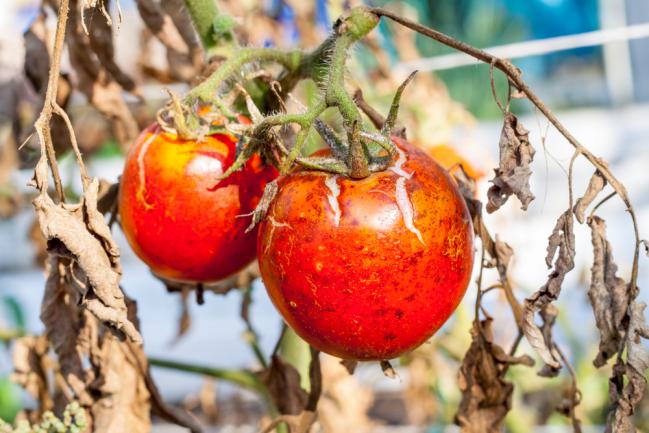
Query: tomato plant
column 178, row 216
column 370, row 268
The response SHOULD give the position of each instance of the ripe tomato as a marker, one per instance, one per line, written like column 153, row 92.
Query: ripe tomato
column 367, row 269
column 178, row 218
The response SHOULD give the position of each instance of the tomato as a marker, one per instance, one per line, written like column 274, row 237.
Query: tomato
column 178, row 217
column 367, row 269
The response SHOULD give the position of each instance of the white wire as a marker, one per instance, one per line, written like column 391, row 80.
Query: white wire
column 529, row 48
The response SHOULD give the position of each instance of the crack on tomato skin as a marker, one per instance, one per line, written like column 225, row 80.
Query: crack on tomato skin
column 274, row 224
column 406, row 208
column 331, row 182
column 398, row 166
column 141, row 171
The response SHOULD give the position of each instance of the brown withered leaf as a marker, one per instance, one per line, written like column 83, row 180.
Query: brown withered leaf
column 169, row 23
column 513, row 173
column 64, row 321
column 121, row 397
column 608, row 294
column 345, row 402
column 30, row 363
column 562, row 240
column 595, row 186
column 283, row 383
column 349, row 365
column 79, row 234
column 100, row 36
column 95, row 81
column 486, row 395
column 161, row 25
column 625, row 398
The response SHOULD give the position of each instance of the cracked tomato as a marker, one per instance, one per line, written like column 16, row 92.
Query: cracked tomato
column 178, row 217
column 367, row 269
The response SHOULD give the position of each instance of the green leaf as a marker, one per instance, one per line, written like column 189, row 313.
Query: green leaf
column 9, row 400
column 14, row 311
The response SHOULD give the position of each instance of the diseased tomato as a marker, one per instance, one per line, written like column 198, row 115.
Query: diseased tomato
column 177, row 216
column 367, row 269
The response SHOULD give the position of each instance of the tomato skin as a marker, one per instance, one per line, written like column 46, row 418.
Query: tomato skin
column 367, row 288
column 178, row 218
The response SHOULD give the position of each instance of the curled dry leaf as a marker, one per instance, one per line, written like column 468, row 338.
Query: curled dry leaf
column 283, row 383
column 486, row 396
column 562, row 240
column 100, row 36
column 624, row 395
column 595, row 186
column 79, row 234
column 513, row 173
column 96, row 82
column 345, row 402
column 388, row 370
column 31, row 367
column 169, row 23
column 121, row 397
column 608, row 294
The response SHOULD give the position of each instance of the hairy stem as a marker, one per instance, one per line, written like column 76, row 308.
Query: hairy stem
column 205, row 91
column 204, row 15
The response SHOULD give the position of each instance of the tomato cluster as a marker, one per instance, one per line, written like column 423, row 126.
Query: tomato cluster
column 361, row 269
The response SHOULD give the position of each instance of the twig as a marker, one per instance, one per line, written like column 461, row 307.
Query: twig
column 514, row 76
column 243, row 378
column 42, row 124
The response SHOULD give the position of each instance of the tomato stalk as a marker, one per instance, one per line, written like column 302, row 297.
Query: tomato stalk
column 360, row 153
column 242, row 378
column 213, row 28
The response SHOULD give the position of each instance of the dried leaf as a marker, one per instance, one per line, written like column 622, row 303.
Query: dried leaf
column 95, row 81
column 625, row 397
column 608, row 294
column 283, row 383
column 121, row 396
column 562, row 240
column 100, row 36
column 349, row 365
column 345, row 403
column 80, row 234
column 513, row 173
column 486, row 396
column 595, row 186
column 31, row 369
column 388, row 370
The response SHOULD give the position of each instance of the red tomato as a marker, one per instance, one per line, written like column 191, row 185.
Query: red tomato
column 367, row 269
column 177, row 216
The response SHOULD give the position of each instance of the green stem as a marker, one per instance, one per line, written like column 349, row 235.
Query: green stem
column 296, row 352
column 206, row 91
column 7, row 335
column 243, row 378
column 204, row 15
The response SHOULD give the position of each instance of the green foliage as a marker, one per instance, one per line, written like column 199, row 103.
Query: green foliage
column 9, row 400
column 73, row 421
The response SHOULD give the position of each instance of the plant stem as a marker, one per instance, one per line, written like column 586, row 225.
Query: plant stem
column 7, row 335
column 206, row 91
column 243, row 378
column 515, row 77
column 204, row 14
column 296, row 352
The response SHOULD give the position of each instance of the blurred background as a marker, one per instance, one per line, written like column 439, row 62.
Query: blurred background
column 600, row 90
